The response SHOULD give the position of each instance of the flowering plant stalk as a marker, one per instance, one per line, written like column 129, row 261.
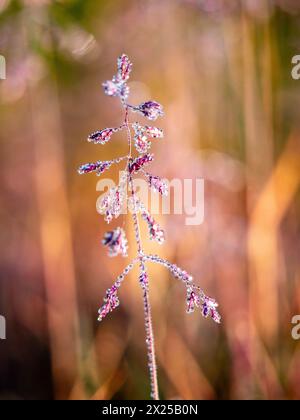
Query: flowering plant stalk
column 139, row 137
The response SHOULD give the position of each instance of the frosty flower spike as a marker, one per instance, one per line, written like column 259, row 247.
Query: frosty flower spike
column 124, row 195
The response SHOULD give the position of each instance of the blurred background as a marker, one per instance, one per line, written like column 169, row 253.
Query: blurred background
column 222, row 70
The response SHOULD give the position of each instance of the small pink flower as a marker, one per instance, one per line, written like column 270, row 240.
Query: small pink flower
column 111, row 302
column 115, row 87
column 209, row 308
column 102, row 136
column 141, row 142
column 153, row 132
column 196, row 298
column 98, row 167
column 139, row 162
column 158, row 184
column 112, row 203
column 156, row 232
column 143, row 279
column 110, row 88
column 116, row 242
column 193, row 300
column 124, row 67
column 150, row 109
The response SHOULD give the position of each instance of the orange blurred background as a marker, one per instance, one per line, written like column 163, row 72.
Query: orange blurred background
column 222, row 70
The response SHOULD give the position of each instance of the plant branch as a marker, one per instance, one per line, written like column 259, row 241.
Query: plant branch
column 143, row 277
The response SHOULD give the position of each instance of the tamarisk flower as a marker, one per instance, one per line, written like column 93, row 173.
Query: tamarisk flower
column 112, row 204
column 116, row 242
